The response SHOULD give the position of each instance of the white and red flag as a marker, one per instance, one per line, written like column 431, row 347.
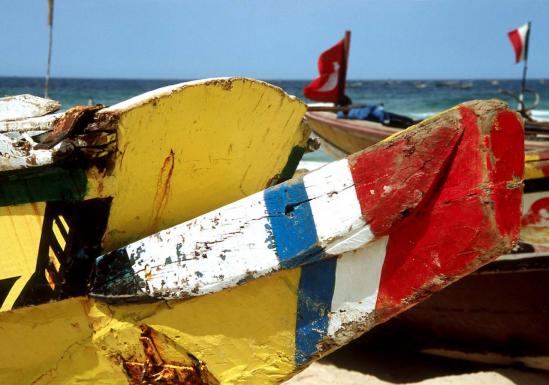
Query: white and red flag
column 519, row 40
column 326, row 88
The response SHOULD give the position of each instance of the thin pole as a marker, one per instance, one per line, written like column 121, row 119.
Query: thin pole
column 345, row 61
column 50, row 24
column 524, row 70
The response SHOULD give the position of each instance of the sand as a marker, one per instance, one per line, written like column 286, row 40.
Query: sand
column 356, row 365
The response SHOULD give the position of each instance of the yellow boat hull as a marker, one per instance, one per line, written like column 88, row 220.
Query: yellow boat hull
column 180, row 151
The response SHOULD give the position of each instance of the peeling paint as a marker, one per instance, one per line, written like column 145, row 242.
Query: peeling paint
column 157, row 369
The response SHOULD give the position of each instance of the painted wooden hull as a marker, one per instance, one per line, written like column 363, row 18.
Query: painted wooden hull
column 133, row 169
column 498, row 314
column 341, row 137
column 306, row 266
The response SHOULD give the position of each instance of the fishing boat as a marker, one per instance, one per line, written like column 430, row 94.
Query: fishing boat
column 498, row 314
column 340, row 135
column 254, row 291
column 92, row 179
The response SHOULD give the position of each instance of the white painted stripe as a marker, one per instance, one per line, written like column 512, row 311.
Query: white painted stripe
column 216, row 251
column 358, row 274
column 235, row 243
column 523, row 31
column 338, row 217
column 14, row 156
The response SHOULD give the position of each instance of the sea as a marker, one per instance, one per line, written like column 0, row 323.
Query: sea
column 415, row 98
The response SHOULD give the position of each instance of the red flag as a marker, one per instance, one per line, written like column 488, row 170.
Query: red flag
column 519, row 40
column 326, row 87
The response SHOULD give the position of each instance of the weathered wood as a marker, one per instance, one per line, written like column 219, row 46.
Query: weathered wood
column 118, row 174
column 268, row 329
column 68, row 133
column 334, row 210
column 38, row 124
column 26, row 106
column 425, row 223
column 499, row 313
column 17, row 152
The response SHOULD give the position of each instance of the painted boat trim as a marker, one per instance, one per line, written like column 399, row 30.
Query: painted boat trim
column 336, row 209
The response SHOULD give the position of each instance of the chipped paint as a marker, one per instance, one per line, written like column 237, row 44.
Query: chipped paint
column 160, row 369
column 25, row 106
column 296, row 223
column 99, row 167
column 246, row 117
column 268, row 329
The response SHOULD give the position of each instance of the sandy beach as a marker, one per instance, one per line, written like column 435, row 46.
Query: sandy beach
column 355, row 364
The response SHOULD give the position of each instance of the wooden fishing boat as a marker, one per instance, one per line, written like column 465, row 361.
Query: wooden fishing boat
column 500, row 313
column 93, row 179
column 341, row 137
column 252, row 292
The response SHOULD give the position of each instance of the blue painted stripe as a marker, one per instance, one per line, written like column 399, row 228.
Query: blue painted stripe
column 316, row 288
column 292, row 224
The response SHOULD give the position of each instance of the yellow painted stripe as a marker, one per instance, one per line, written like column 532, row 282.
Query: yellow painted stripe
column 531, row 156
column 49, row 279
column 59, row 235
column 532, row 172
column 63, row 221
column 53, row 259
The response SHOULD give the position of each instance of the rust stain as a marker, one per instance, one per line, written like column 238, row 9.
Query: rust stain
column 163, row 188
column 160, row 370
column 148, row 273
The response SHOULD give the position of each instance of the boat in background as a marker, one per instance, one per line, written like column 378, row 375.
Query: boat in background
column 340, row 136
column 498, row 314
column 92, row 179
column 256, row 290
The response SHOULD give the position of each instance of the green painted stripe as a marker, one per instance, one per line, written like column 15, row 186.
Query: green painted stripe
column 42, row 185
column 291, row 165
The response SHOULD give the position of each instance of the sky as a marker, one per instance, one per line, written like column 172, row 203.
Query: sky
column 271, row 39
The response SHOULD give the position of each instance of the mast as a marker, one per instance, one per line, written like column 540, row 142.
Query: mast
column 523, row 85
column 343, row 72
column 50, row 24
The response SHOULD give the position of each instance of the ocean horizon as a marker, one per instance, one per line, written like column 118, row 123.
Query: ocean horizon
column 417, row 98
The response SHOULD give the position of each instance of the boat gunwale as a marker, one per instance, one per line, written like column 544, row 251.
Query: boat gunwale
column 360, row 126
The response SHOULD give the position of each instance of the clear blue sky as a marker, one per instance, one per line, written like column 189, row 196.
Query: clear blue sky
column 271, row 39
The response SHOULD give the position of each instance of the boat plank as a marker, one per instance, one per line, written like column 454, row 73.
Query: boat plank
column 336, row 209
column 26, row 106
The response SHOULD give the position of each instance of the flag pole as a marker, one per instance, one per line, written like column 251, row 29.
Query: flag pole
column 343, row 71
column 50, row 24
column 525, row 68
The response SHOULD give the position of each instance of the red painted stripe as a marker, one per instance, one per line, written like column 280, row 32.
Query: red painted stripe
column 454, row 233
column 392, row 178
column 506, row 165
column 518, row 44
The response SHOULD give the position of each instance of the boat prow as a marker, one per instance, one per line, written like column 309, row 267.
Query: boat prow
column 256, row 290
